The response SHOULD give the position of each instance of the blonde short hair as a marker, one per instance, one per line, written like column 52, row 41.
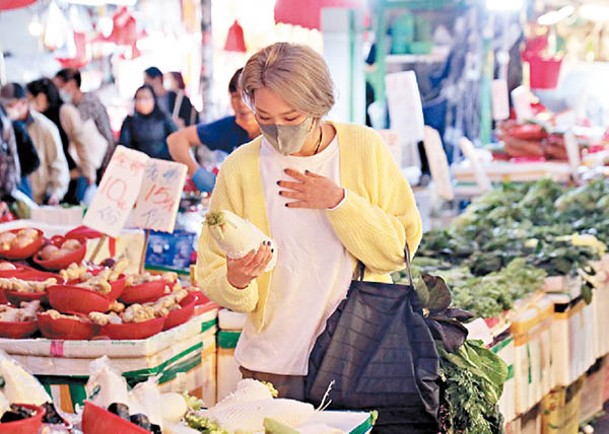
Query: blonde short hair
column 296, row 73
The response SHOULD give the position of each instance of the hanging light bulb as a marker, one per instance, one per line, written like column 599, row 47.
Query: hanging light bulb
column 35, row 27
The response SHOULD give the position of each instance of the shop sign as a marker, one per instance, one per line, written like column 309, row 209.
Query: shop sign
column 159, row 198
column 117, row 192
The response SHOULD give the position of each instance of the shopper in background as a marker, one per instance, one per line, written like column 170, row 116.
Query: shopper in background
column 10, row 172
column 328, row 193
column 43, row 96
column 29, row 160
column 147, row 129
column 174, row 81
column 86, row 147
column 225, row 135
column 49, row 182
column 68, row 81
column 177, row 105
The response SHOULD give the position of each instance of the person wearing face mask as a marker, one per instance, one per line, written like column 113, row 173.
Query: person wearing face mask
column 69, row 81
column 147, row 129
column 225, row 135
column 328, row 193
column 84, row 147
column 49, row 182
column 172, row 101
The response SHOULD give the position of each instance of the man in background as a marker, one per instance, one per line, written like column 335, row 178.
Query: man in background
column 225, row 134
column 68, row 81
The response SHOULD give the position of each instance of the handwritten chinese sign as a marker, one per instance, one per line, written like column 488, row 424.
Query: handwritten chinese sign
column 117, row 192
column 159, row 197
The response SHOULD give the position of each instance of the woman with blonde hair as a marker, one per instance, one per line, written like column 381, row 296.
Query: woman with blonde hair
column 328, row 193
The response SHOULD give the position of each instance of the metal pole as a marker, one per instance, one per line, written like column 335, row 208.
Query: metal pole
column 207, row 52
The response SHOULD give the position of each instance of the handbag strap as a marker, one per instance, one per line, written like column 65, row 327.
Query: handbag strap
column 361, row 268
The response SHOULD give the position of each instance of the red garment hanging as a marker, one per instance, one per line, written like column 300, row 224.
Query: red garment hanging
column 235, row 40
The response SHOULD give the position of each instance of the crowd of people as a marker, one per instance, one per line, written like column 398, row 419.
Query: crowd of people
column 57, row 140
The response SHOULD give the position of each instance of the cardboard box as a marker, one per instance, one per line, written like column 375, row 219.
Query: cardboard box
column 561, row 409
column 592, row 392
column 528, row 423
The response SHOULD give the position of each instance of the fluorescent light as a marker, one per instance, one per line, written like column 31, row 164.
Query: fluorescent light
column 596, row 12
column 553, row 17
column 504, row 5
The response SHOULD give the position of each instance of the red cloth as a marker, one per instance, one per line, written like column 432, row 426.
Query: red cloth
column 80, row 60
column 124, row 31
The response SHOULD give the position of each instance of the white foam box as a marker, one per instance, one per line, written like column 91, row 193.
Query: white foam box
column 228, row 373
column 179, row 356
column 507, row 402
column 58, row 215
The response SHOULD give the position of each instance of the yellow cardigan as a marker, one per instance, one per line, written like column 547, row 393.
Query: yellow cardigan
column 373, row 223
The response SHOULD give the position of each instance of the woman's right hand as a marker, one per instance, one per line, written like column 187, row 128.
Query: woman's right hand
column 240, row 272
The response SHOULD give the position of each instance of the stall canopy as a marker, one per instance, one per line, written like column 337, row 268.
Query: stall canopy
column 6, row 5
column 308, row 14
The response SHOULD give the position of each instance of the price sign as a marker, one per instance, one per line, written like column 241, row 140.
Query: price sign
column 159, row 197
column 117, row 192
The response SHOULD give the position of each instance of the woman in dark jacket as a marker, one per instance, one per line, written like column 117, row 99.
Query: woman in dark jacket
column 147, row 129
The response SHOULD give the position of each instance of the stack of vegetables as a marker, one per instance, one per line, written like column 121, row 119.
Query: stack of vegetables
column 498, row 251
column 507, row 241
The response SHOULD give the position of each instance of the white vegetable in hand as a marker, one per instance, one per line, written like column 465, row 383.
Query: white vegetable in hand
column 237, row 236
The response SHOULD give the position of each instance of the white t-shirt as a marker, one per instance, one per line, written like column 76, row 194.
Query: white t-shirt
column 312, row 274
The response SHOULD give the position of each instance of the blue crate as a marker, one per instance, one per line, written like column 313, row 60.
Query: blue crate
column 170, row 251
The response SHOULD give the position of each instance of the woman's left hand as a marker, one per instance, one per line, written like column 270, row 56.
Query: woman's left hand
column 310, row 190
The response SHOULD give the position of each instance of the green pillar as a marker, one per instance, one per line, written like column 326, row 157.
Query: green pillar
column 485, row 83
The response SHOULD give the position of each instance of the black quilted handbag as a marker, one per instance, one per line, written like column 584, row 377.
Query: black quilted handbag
column 381, row 356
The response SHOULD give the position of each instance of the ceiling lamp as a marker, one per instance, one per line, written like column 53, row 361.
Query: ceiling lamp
column 234, row 39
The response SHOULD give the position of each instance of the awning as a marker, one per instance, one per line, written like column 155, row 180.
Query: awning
column 308, row 14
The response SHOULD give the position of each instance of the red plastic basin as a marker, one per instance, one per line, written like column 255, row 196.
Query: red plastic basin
column 18, row 330
column 134, row 330
column 181, row 315
column 66, row 328
column 59, row 263
column 97, row 420
column 143, row 293
column 29, row 425
column 25, row 251
column 68, row 298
